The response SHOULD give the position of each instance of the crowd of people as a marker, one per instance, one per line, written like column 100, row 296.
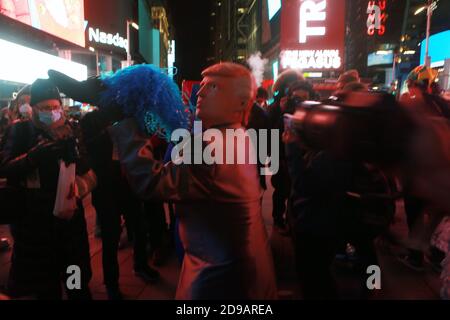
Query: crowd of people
column 330, row 206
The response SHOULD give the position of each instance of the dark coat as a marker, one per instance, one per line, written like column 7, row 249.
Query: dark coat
column 318, row 194
column 44, row 246
column 259, row 119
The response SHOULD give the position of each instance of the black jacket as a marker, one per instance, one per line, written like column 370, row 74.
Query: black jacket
column 259, row 119
column 318, row 194
column 44, row 246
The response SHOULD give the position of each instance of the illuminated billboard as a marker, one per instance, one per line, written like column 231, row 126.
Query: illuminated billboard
column 18, row 64
column 312, row 34
column 274, row 7
column 439, row 49
column 380, row 58
column 376, row 19
column 61, row 18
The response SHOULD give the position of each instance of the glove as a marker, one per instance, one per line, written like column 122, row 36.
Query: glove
column 45, row 151
column 87, row 91
column 96, row 122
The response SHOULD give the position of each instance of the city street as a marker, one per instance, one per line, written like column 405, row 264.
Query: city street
column 398, row 282
column 148, row 109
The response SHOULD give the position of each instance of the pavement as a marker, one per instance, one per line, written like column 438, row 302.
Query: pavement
column 398, row 282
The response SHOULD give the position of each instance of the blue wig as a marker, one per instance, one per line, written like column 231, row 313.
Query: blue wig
column 147, row 94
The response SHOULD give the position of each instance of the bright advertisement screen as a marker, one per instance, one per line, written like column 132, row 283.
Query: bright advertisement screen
column 18, row 64
column 61, row 18
column 274, row 7
column 439, row 49
column 375, row 58
column 312, row 34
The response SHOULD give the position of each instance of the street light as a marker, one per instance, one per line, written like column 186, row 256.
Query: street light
column 420, row 10
column 430, row 7
column 135, row 26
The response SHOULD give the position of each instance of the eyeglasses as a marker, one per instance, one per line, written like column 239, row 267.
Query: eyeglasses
column 48, row 107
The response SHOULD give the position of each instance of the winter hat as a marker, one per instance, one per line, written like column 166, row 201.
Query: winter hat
column 42, row 90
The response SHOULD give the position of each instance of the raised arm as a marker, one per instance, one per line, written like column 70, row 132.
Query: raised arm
column 149, row 177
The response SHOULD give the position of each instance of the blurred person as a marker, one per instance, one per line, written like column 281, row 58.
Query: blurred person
column 227, row 251
column 5, row 121
column 261, row 98
column 421, row 86
column 20, row 108
column 298, row 92
column 111, row 199
column 323, row 215
column 48, row 237
column 280, row 180
column 346, row 78
column 355, row 86
column 407, row 139
column 429, row 181
column 319, row 182
column 259, row 120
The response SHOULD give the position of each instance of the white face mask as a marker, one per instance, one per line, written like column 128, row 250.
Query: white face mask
column 25, row 110
column 50, row 117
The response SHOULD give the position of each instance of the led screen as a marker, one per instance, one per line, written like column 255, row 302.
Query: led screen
column 375, row 59
column 274, row 7
column 439, row 49
column 18, row 64
column 61, row 18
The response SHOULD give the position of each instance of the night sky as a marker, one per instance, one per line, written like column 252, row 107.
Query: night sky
column 191, row 21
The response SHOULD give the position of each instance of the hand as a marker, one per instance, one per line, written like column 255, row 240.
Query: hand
column 94, row 123
column 87, row 91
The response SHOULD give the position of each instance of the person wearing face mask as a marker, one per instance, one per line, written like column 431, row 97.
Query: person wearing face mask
column 280, row 180
column 48, row 237
column 20, row 107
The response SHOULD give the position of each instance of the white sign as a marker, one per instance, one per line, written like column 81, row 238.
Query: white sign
column 310, row 11
column 311, row 59
column 95, row 35
column 18, row 64
column 171, row 59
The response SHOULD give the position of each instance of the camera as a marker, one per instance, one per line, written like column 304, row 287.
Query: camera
column 367, row 126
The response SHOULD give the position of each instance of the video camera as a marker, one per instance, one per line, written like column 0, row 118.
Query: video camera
column 365, row 126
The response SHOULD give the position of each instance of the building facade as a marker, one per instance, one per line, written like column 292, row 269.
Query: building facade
column 235, row 29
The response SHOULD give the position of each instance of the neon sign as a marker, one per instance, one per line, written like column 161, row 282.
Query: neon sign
column 274, row 7
column 311, row 59
column 312, row 34
column 376, row 19
column 312, row 11
column 95, row 35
